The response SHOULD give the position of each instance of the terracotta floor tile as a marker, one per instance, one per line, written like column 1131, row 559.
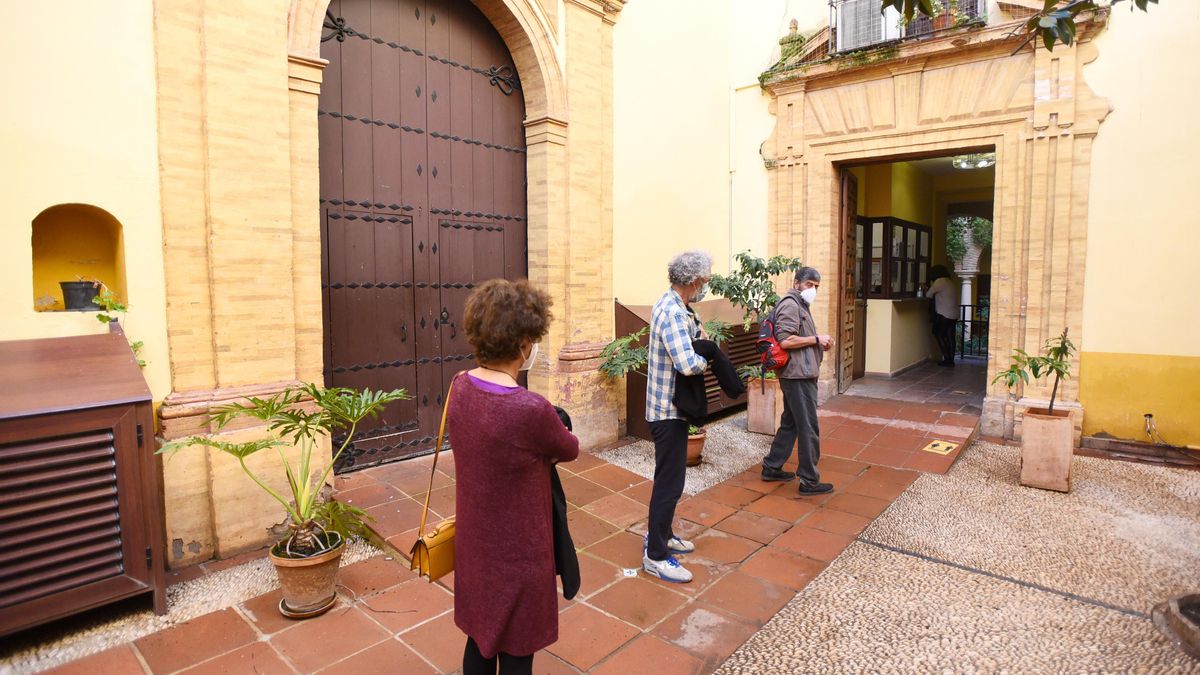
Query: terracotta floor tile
column 418, row 482
column 390, row 473
column 442, row 501
column 233, row 561
column 587, row 529
column 355, row 480
column 785, row 507
column 640, row 493
column 753, row 526
column 595, row 574
column 584, row 462
column 545, row 663
column 403, row 542
column 885, row 456
column 886, row 474
column 581, row 491
column 881, row 408
column 704, row 574
column 178, row 576
column 586, row 637
column 708, row 633
column 638, row 601
column 256, row 658
column 118, row 661
column 839, row 448
column 859, row 432
column 840, row 464
column 730, row 495
column 369, row 495
column 837, row 522
column 948, row 432
column 201, row 638
column 929, row 462
column 959, row 420
column 617, row 509
column 815, row 544
column 724, row 549
column 876, row 488
column 446, row 582
column 440, row 641
column 840, row 480
column 408, row 604
column 389, row 656
column 395, row 517
column 613, row 477
column 783, row 567
column 898, row 441
column 751, row 479
column 859, row 505
column 263, row 612
column 750, row 597
column 374, row 575
column 704, row 511
column 333, row 636
column 623, row 549
column 917, row 413
column 667, row 659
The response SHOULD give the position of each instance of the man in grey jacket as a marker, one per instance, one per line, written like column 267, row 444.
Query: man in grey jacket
column 797, row 333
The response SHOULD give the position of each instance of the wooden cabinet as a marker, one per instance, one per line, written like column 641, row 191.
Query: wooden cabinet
column 81, row 507
column 739, row 347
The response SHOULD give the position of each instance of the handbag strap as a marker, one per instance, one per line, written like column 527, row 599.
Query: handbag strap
column 437, row 449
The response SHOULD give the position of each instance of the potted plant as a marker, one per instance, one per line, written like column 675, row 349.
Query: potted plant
column 943, row 17
column 109, row 306
column 80, row 295
column 695, row 445
column 307, row 559
column 966, row 238
column 1047, row 435
column 752, row 287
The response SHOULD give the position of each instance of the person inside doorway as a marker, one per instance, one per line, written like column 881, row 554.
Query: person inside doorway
column 943, row 296
column 798, row 427
column 673, row 327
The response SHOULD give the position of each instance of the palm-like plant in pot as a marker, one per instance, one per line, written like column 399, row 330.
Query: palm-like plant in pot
column 301, row 417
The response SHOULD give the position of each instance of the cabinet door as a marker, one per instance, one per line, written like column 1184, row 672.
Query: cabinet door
column 72, row 514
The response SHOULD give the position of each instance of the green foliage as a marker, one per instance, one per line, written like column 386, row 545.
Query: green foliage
column 693, row 430
column 1054, row 24
column 750, row 286
column 303, row 415
column 624, row 354
column 718, row 331
column 348, row 521
column 956, row 245
column 1024, row 367
column 752, row 371
column 109, row 307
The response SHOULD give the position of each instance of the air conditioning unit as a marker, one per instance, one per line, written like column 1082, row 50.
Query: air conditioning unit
column 860, row 24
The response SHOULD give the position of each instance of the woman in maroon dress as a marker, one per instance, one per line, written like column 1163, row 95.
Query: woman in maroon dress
column 505, row 439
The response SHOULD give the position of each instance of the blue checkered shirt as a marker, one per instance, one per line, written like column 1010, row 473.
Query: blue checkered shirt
column 672, row 329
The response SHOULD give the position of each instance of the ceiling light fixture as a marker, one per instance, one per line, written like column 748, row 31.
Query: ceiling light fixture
column 979, row 160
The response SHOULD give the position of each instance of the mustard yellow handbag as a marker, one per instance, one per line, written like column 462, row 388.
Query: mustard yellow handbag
column 433, row 553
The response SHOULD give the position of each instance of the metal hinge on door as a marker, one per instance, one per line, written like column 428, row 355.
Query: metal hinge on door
column 149, row 557
column 141, row 438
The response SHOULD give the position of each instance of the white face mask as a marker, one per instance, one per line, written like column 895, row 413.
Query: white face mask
column 700, row 294
column 532, row 357
column 809, row 294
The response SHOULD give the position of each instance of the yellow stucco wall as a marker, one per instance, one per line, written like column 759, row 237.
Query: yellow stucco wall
column 80, row 127
column 687, row 168
column 1141, row 313
column 912, row 194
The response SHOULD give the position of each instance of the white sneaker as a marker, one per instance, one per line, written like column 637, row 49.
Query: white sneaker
column 674, row 544
column 667, row 570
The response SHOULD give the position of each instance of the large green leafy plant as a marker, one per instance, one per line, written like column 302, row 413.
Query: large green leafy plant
column 302, row 415
column 627, row 353
column 956, row 229
column 1056, row 361
column 751, row 286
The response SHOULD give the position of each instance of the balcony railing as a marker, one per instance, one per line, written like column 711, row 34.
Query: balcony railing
column 858, row 24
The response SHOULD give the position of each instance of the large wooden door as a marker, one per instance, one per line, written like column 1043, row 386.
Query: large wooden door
column 422, row 197
column 851, row 268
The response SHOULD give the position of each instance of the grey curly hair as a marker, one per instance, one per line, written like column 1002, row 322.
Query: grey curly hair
column 689, row 266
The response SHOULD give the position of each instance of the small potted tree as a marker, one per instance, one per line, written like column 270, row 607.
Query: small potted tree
column 1047, row 435
column 752, row 287
column 307, row 559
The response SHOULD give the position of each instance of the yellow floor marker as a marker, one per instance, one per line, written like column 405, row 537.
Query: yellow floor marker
column 940, row 447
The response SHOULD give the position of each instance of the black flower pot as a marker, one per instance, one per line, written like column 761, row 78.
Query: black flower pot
column 77, row 296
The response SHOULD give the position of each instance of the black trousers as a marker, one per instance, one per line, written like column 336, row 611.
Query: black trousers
column 670, row 466
column 798, row 427
column 475, row 664
column 943, row 332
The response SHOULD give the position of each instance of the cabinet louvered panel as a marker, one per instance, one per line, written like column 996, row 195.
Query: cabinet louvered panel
column 65, row 487
column 740, row 348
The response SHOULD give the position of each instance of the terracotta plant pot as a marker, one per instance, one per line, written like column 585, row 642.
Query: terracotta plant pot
column 1047, row 447
column 695, row 448
column 764, row 406
column 943, row 21
column 309, row 584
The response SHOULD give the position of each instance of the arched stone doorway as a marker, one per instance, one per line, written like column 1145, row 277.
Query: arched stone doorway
column 422, row 196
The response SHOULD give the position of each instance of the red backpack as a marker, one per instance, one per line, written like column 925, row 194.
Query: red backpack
column 771, row 356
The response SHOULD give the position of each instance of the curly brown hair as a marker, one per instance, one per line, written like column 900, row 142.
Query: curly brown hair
column 500, row 314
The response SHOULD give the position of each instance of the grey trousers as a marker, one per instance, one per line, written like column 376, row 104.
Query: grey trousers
column 798, row 424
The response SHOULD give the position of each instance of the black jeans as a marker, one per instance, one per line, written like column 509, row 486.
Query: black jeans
column 798, row 424
column 475, row 664
column 943, row 332
column 670, row 465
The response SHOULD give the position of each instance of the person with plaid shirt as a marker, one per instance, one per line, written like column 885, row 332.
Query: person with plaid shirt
column 673, row 326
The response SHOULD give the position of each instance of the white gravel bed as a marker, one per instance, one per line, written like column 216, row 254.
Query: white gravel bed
column 50, row 646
